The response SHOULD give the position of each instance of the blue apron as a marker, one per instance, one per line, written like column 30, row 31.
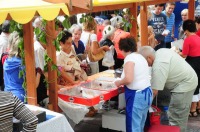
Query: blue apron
column 129, row 97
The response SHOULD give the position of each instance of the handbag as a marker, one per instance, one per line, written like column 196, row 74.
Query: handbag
column 155, row 116
column 94, row 57
column 86, row 67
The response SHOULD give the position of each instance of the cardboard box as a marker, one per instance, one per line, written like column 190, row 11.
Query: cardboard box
column 18, row 126
column 113, row 120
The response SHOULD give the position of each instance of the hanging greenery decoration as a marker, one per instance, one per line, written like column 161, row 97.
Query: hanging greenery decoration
column 85, row 18
column 40, row 32
column 126, row 18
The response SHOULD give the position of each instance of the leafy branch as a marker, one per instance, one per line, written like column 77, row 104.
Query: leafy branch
column 85, row 18
column 126, row 18
column 40, row 32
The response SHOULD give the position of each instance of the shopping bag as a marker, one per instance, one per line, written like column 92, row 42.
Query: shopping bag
column 108, row 59
column 155, row 115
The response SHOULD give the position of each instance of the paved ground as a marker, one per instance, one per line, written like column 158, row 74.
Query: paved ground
column 93, row 124
column 194, row 124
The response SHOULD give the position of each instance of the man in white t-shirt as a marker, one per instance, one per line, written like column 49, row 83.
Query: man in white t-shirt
column 171, row 71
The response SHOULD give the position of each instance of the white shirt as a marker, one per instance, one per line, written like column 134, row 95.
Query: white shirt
column 3, row 43
column 39, row 52
column 141, row 78
column 85, row 37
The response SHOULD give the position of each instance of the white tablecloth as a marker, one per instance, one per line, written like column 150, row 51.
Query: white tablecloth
column 58, row 123
column 75, row 112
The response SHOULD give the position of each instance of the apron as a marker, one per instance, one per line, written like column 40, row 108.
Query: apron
column 129, row 97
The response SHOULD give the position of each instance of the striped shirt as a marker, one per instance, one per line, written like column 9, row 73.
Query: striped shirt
column 169, row 26
column 11, row 106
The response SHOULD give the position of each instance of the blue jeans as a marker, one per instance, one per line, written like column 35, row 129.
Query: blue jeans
column 137, row 106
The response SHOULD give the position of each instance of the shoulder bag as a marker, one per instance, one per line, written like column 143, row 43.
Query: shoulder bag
column 94, row 57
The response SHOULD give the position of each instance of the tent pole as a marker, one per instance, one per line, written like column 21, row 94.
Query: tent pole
column 30, row 63
column 133, row 12
column 191, row 8
column 144, row 24
column 52, row 74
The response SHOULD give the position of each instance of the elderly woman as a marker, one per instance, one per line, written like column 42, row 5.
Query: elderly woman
column 68, row 62
column 119, row 34
column 135, row 78
column 89, row 37
column 184, row 16
column 108, row 34
column 12, row 66
column 76, row 31
column 191, row 48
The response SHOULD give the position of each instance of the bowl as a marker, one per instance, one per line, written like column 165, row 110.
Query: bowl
column 118, row 72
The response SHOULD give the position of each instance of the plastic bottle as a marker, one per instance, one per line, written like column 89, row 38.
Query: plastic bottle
column 164, row 117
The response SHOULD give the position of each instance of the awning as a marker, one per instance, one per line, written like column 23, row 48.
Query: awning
column 113, row 2
column 22, row 11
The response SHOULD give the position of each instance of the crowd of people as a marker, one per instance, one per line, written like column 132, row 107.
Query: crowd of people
column 93, row 38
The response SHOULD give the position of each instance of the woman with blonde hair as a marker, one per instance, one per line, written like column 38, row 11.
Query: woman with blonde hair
column 89, row 38
column 12, row 67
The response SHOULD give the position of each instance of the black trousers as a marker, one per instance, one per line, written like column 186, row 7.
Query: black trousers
column 160, row 45
column 168, row 45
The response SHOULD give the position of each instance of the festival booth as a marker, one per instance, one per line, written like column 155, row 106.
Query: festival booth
column 111, row 119
column 23, row 12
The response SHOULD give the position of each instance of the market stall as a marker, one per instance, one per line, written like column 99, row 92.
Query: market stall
column 75, row 100
column 23, row 12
